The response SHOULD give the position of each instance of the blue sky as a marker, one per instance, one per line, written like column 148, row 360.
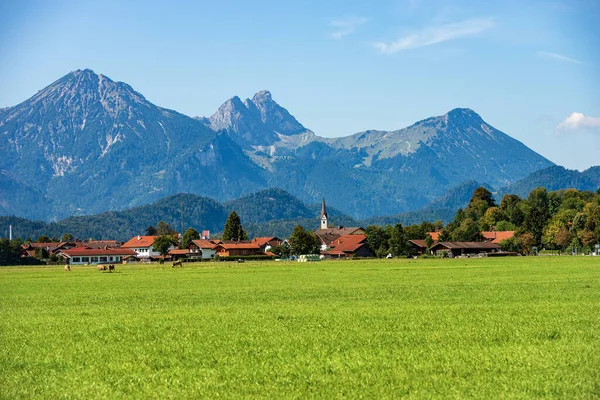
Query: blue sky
column 529, row 68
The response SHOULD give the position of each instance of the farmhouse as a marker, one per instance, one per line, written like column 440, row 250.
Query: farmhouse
column 348, row 246
column 50, row 247
column 419, row 245
column 82, row 255
column 142, row 245
column 462, row 248
column 266, row 243
column 234, row 249
column 204, row 249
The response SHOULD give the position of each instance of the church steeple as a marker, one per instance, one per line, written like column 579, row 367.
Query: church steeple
column 323, row 215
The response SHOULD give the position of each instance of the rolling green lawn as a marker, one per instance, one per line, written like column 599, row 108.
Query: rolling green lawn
column 484, row 328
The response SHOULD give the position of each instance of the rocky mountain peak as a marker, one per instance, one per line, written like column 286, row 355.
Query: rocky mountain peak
column 256, row 121
column 463, row 116
column 262, row 96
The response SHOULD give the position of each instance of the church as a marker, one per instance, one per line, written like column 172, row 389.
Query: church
column 341, row 242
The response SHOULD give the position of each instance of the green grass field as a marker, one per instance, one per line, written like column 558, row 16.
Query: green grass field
column 484, row 328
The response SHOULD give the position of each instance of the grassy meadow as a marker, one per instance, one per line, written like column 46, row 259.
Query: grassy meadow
column 483, row 328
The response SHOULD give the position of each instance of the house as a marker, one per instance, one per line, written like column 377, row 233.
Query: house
column 419, row 246
column 176, row 254
column 455, row 249
column 234, row 249
column 348, row 246
column 50, row 247
column 204, row 249
column 497, row 236
column 82, row 255
column 327, row 235
column 266, row 243
column 143, row 246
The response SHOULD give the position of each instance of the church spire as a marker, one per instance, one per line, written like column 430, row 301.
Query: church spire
column 323, row 215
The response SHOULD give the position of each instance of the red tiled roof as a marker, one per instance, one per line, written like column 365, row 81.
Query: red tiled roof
column 434, row 235
column 348, row 243
column 248, row 246
column 264, row 240
column 418, row 242
column 421, row 243
column 140, row 241
column 205, row 244
column 179, row 251
column 330, row 234
column 84, row 252
column 497, row 236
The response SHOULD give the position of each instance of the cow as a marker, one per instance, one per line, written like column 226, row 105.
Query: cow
column 102, row 267
column 67, row 267
column 177, row 264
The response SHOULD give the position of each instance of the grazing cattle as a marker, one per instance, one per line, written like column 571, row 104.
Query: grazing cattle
column 111, row 268
column 101, row 267
column 177, row 264
column 67, row 267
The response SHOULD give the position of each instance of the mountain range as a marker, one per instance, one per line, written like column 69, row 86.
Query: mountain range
column 86, row 144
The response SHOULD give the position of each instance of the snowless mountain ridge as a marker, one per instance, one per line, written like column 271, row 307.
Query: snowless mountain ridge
column 86, row 144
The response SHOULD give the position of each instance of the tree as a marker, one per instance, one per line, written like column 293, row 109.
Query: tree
column 468, row 231
column 563, row 238
column 304, row 242
column 527, row 241
column 162, row 228
column 512, row 244
column 538, row 213
column 233, row 229
column 151, row 231
column 189, row 235
column 377, row 240
column 163, row 243
column 398, row 243
column 43, row 239
column 510, row 207
column 428, row 242
column 505, row 226
column 40, row 253
column 9, row 252
column 490, row 217
column 484, row 195
column 66, row 237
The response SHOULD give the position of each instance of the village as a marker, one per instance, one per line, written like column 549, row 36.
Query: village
column 332, row 243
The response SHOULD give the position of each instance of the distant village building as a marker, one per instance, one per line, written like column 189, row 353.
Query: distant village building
column 82, row 255
column 202, row 248
column 348, row 246
column 143, row 246
column 327, row 235
column 456, row 249
column 234, row 249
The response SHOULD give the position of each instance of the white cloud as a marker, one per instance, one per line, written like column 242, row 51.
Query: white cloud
column 578, row 122
column 345, row 26
column 557, row 57
column 437, row 34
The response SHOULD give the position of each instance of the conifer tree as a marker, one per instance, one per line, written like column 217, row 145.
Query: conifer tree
column 233, row 229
